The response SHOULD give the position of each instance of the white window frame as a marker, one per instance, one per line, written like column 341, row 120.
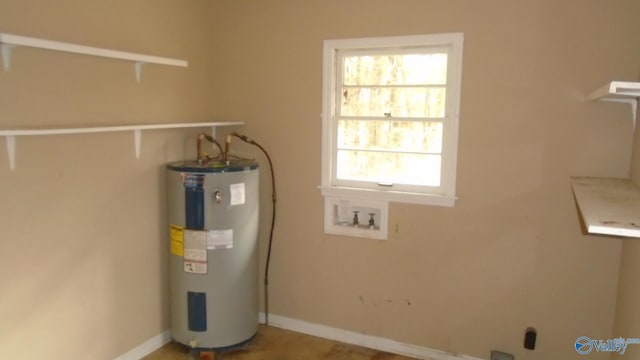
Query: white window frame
column 443, row 195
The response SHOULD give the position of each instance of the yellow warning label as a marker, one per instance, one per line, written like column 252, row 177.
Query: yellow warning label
column 177, row 240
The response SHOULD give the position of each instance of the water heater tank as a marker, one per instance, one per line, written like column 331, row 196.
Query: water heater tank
column 213, row 265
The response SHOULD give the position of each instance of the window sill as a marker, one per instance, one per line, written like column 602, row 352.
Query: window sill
column 386, row 195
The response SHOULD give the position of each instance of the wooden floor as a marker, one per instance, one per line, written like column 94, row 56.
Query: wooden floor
column 277, row 344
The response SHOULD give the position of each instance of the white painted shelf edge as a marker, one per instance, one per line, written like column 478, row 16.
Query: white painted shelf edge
column 616, row 90
column 9, row 41
column 608, row 206
column 11, row 134
column 619, row 91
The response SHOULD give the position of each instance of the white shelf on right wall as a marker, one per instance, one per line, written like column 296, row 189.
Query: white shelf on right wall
column 619, row 91
column 608, row 206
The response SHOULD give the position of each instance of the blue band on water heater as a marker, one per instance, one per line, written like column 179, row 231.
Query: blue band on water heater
column 197, row 311
column 194, row 201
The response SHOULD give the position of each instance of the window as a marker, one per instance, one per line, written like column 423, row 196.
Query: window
column 390, row 118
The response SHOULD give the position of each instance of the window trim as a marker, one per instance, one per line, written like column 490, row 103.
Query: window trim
column 445, row 196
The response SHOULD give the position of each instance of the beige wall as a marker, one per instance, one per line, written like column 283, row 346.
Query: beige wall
column 510, row 254
column 83, row 251
column 83, row 244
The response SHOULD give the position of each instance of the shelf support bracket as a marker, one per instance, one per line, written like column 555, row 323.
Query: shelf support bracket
column 138, row 69
column 5, row 49
column 634, row 112
column 11, row 151
column 634, row 107
column 137, row 142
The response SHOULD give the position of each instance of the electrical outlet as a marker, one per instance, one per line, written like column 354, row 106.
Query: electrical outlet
column 396, row 229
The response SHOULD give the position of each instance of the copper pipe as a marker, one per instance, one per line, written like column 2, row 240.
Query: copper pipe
column 227, row 144
column 201, row 157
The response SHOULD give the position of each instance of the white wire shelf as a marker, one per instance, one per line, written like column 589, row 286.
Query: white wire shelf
column 608, row 206
column 11, row 134
column 9, row 41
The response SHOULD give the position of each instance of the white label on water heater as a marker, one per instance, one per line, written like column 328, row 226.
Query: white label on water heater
column 195, row 251
column 220, row 239
column 237, row 194
column 195, row 267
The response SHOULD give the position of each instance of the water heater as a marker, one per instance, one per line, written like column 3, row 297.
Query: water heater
column 213, row 266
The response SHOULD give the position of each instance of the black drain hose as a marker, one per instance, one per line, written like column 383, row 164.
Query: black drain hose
column 273, row 216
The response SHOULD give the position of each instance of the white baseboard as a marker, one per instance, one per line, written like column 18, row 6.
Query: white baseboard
column 368, row 341
column 147, row 347
column 323, row 331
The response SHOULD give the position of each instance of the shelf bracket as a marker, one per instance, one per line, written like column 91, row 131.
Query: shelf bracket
column 138, row 69
column 620, row 92
column 5, row 49
column 137, row 142
column 11, row 151
column 634, row 107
